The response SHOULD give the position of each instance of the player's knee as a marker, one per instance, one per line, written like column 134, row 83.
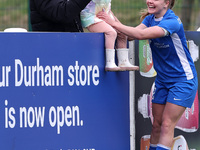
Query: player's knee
column 156, row 128
column 167, row 127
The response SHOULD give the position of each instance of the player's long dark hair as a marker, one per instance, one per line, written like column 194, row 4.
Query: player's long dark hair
column 145, row 12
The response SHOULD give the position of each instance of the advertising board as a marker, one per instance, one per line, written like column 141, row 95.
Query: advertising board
column 55, row 94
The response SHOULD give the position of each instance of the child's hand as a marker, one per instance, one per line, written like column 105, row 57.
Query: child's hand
column 104, row 16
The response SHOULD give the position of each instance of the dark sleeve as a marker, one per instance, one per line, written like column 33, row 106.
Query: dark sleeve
column 60, row 10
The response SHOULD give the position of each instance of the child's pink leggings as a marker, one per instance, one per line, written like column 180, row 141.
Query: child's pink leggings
column 110, row 35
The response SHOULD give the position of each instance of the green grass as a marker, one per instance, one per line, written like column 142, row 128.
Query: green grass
column 14, row 13
column 128, row 11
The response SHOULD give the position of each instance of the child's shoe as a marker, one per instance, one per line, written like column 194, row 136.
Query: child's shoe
column 123, row 60
column 110, row 61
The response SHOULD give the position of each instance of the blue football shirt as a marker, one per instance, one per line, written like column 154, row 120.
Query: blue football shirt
column 171, row 57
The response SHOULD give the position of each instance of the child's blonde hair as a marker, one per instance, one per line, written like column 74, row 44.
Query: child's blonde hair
column 145, row 12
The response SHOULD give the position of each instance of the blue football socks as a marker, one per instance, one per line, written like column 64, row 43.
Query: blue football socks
column 162, row 147
column 153, row 147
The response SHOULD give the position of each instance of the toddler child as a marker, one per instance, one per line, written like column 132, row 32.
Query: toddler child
column 94, row 24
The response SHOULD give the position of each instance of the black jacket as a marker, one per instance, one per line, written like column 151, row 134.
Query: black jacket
column 57, row 15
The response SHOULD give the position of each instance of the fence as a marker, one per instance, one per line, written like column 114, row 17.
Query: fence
column 14, row 13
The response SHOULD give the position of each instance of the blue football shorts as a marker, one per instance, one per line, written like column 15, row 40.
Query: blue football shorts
column 179, row 93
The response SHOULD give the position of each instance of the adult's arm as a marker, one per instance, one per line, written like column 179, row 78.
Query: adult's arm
column 140, row 32
column 60, row 10
column 139, row 27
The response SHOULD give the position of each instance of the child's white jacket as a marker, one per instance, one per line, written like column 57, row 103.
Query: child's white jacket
column 88, row 15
